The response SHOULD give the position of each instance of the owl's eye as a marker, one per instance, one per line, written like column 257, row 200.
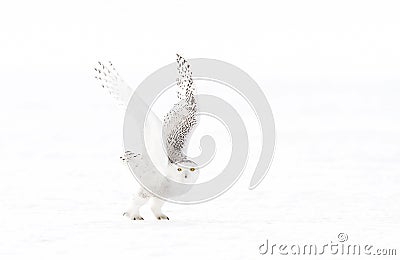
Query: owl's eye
column 191, row 169
column 179, row 169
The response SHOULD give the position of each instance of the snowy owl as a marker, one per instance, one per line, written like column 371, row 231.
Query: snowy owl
column 176, row 128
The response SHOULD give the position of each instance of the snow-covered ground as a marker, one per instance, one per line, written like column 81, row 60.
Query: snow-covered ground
column 335, row 169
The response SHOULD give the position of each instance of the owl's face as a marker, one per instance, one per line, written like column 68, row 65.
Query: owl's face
column 185, row 171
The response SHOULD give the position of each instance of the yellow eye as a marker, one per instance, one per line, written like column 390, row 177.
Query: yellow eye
column 191, row 169
column 179, row 169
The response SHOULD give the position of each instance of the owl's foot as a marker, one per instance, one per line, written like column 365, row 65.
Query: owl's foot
column 156, row 208
column 133, row 216
column 162, row 216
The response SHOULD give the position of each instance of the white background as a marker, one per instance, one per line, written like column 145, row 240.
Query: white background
column 330, row 70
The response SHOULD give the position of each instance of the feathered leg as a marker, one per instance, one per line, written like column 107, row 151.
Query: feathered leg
column 138, row 201
column 156, row 205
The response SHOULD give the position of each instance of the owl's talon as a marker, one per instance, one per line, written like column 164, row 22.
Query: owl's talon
column 135, row 217
column 162, row 217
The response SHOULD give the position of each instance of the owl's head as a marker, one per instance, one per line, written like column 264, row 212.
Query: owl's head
column 185, row 170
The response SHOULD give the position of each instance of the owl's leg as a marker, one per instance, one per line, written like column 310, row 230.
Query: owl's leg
column 140, row 198
column 156, row 206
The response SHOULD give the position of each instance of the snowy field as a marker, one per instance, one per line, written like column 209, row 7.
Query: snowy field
column 333, row 85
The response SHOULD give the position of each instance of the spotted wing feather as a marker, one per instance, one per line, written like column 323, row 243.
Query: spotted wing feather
column 110, row 80
column 182, row 118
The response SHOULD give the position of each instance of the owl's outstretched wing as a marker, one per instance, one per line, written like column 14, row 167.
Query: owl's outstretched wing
column 186, row 89
column 110, row 80
column 182, row 118
column 113, row 83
